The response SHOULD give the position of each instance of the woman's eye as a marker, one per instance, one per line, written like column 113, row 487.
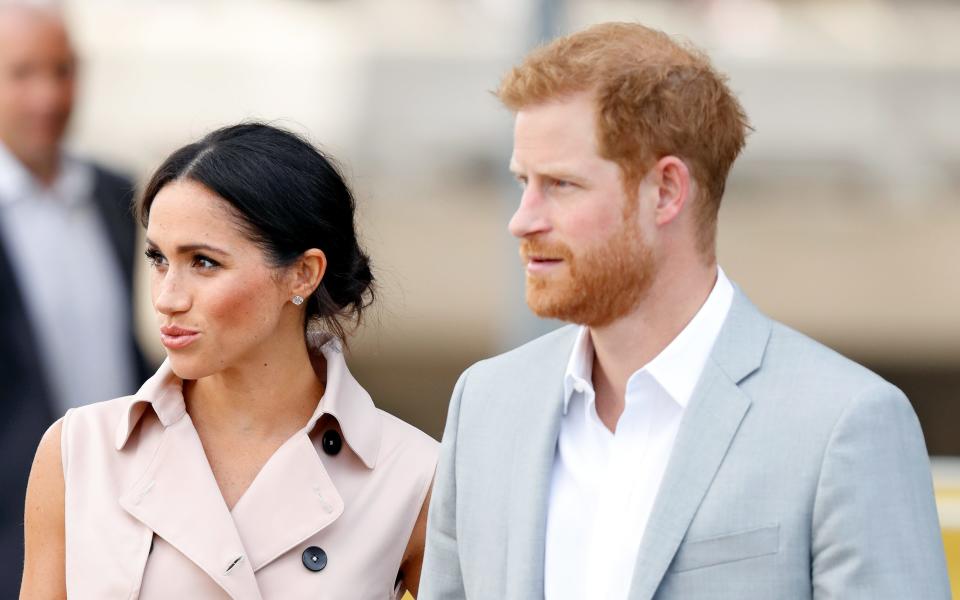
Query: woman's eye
column 155, row 259
column 205, row 263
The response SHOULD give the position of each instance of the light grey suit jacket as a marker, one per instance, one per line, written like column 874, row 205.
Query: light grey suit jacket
column 796, row 474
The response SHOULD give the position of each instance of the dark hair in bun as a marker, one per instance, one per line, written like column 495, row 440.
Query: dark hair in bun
column 289, row 198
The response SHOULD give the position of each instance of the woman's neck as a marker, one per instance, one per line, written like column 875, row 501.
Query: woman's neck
column 266, row 396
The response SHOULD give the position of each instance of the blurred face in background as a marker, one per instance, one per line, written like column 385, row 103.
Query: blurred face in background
column 37, row 68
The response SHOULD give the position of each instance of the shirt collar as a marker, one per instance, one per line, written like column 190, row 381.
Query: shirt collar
column 579, row 373
column 15, row 180
column 73, row 184
column 343, row 398
column 678, row 366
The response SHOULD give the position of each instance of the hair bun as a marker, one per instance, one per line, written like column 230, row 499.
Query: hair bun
column 352, row 290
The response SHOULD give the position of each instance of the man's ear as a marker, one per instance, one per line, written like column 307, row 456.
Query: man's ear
column 672, row 180
column 308, row 272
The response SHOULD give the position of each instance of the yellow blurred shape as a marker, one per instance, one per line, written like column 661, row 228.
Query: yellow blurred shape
column 951, row 543
column 946, row 482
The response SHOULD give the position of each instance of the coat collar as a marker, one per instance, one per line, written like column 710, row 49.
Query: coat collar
column 292, row 498
column 350, row 404
column 344, row 399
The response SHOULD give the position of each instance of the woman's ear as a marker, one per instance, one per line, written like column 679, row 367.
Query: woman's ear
column 308, row 272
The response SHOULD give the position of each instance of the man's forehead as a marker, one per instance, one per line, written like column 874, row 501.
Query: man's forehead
column 560, row 118
column 555, row 140
column 559, row 167
column 17, row 19
column 35, row 7
column 32, row 39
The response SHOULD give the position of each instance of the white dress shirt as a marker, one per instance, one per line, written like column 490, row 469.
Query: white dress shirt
column 70, row 281
column 604, row 484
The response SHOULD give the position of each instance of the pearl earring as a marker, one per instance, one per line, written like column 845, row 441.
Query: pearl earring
column 298, row 300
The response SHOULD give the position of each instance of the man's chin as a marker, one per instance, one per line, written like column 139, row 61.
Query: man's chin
column 577, row 306
column 37, row 152
column 550, row 304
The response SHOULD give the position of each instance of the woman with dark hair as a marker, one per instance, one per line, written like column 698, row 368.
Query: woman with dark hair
column 252, row 465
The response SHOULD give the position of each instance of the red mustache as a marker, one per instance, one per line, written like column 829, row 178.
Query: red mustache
column 531, row 248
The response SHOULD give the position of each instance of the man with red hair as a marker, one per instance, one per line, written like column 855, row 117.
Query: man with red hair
column 672, row 442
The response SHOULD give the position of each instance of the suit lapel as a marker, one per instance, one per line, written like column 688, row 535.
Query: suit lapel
column 178, row 498
column 711, row 421
column 538, row 410
column 22, row 370
column 112, row 195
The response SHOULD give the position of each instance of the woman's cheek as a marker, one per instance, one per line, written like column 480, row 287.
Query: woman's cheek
column 241, row 310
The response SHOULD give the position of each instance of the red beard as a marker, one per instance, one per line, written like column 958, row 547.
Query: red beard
column 596, row 287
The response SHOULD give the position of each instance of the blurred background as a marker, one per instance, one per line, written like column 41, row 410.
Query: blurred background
column 841, row 219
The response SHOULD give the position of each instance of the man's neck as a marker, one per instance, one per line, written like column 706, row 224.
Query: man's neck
column 632, row 341
column 43, row 169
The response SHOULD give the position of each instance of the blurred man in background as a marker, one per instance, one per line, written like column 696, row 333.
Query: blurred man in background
column 66, row 256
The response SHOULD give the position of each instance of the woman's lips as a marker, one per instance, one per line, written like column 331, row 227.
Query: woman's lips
column 175, row 338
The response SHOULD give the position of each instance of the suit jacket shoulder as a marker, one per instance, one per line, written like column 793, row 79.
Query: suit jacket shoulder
column 545, row 356
column 805, row 375
column 795, row 354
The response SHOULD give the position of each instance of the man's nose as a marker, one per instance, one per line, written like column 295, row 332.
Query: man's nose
column 531, row 216
column 52, row 93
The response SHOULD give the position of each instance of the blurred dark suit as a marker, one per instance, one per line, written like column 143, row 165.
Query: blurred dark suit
column 26, row 402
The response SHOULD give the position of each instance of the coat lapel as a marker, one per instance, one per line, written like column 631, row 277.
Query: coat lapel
column 291, row 499
column 711, row 421
column 178, row 498
column 539, row 407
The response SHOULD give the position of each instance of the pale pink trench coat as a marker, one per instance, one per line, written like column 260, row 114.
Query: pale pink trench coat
column 145, row 517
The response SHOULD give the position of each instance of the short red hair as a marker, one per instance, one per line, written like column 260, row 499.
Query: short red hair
column 654, row 98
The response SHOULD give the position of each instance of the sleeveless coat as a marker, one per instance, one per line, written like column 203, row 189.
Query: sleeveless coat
column 328, row 516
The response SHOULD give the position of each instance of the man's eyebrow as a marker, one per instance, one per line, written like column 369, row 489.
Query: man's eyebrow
column 554, row 172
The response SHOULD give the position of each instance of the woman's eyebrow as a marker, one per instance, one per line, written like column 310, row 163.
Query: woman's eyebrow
column 187, row 248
